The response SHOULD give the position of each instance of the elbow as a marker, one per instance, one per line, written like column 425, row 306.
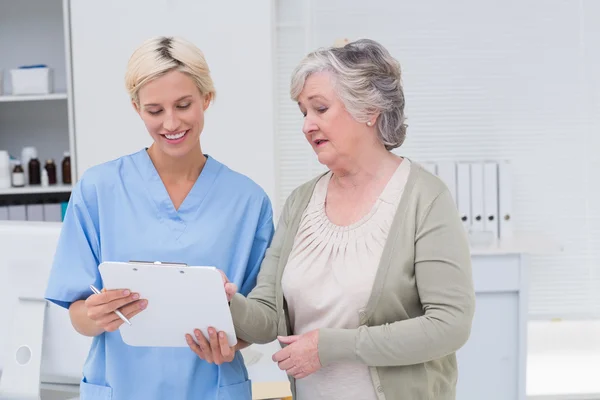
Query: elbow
column 459, row 330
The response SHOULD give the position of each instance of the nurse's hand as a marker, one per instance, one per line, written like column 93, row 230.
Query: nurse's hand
column 230, row 288
column 216, row 349
column 101, row 308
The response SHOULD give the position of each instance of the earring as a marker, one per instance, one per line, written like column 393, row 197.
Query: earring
column 369, row 123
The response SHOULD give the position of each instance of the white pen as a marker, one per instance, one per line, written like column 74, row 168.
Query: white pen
column 116, row 311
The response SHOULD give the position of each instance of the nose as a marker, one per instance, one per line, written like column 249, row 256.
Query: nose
column 171, row 122
column 309, row 125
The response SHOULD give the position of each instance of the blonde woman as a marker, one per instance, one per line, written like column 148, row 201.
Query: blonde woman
column 368, row 280
column 169, row 202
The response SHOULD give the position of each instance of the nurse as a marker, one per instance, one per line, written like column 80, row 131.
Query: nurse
column 169, row 202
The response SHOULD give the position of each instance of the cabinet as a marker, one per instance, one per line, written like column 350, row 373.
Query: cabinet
column 34, row 32
column 492, row 364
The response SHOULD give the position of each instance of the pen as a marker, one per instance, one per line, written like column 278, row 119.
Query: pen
column 116, row 311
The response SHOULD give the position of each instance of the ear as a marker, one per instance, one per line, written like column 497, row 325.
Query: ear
column 136, row 107
column 207, row 100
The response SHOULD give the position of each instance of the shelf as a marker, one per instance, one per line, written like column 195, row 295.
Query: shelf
column 37, row 190
column 36, row 97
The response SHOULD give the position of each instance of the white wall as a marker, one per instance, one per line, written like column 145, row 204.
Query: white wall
column 236, row 37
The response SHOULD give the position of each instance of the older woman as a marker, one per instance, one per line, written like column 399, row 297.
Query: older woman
column 368, row 279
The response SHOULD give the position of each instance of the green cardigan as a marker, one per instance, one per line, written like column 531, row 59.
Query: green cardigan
column 421, row 306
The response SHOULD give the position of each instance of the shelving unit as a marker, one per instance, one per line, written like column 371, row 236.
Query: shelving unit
column 41, row 97
column 34, row 32
column 36, row 190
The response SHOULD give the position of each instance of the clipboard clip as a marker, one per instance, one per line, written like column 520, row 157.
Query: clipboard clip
column 172, row 264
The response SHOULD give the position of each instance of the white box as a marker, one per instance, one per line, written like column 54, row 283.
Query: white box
column 31, row 81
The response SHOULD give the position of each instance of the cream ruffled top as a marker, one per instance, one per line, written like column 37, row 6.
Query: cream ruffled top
column 328, row 280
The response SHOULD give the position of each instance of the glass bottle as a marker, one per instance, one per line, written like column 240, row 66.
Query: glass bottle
column 18, row 175
column 66, row 168
column 34, row 168
column 51, row 168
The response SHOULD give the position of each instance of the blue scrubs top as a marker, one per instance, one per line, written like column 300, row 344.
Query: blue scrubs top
column 121, row 211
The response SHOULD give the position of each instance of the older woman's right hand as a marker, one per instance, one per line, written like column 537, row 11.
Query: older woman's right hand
column 101, row 307
column 230, row 288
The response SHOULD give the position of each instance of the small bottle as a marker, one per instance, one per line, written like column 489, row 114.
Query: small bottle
column 34, row 168
column 50, row 167
column 44, row 179
column 18, row 175
column 66, row 168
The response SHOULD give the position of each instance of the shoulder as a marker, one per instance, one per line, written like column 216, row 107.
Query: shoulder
column 301, row 195
column 102, row 177
column 238, row 185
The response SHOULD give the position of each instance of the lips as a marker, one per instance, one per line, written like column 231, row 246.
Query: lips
column 319, row 142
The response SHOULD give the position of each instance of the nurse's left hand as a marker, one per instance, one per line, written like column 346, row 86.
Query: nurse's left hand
column 300, row 357
column 218, row 350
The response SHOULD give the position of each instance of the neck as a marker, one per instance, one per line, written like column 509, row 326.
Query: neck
column 187, row 168
column 366, row 168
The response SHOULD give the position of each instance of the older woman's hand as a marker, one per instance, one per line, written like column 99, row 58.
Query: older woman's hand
column 301, row 357
column 230, row 288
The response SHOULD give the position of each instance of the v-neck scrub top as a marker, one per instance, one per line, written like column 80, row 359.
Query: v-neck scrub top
column 121, row 211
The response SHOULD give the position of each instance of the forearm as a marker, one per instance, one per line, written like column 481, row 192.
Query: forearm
column 413, row 341
column 255, row 321
column 81, row 322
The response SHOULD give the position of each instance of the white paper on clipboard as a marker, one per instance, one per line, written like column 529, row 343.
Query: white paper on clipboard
column 180, row 299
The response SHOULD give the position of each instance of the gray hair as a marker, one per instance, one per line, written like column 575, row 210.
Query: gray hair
column 367, row 80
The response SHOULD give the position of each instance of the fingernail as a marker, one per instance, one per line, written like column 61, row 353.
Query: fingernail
column 197, row 332
column 211, row 331
column 126, row 292
column 135, row 296
column 143, row 304
column 221, row 335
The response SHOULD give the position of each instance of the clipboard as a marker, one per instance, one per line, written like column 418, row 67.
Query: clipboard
column 180, row 298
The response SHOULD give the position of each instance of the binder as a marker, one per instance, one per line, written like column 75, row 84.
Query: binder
column 463, row 194
column 35, row 212
column 17, row 212
column 477, row 213
column 490, row 198
column 505, row 199
column 3, row 212
column 447, row 173
column 52, row 212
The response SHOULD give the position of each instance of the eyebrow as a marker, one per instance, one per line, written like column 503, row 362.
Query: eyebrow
column 314, row 96
column 178, row 100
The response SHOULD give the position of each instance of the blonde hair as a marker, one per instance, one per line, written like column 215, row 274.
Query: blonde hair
column 160, row 55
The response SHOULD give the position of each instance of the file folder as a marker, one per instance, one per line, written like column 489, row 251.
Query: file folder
column 477, row 213
column 17, row 212
column 490, row 198
column 35, row 212
column 463, row 187
column 447, row 173
column 505, row 199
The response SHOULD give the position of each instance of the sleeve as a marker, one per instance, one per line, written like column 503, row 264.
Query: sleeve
column 255, row 317
column 262, row 240
column 75, row 265
column 444, row 282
